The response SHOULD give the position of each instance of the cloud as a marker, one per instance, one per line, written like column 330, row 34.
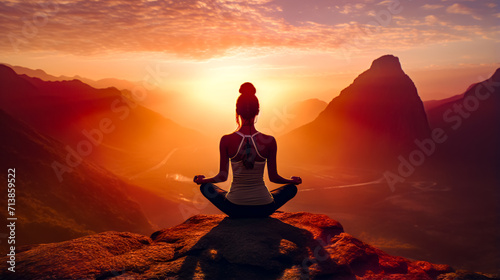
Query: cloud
column 196, row 29
column 462, row 10
column 385, row 2
column 192, row 28
column 349, row 8
column 431, row 7
column 431, row 19
column 458, row 9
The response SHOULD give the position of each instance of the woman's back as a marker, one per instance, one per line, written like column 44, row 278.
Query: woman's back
column 247, row 163
column 262, row 145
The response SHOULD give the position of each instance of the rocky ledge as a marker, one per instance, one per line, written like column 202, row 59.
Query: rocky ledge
column 284, row 246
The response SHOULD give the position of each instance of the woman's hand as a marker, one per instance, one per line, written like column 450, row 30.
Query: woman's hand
column 296, row 180
column 199, row 179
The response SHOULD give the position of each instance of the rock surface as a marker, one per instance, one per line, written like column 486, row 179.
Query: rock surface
column 284, row 246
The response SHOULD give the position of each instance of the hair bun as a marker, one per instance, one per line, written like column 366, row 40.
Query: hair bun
column 247, row 88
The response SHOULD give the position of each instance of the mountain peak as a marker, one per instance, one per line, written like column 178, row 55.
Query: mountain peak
column 283, row 246
column 372, row 121
column 6, row 71
column 388, row 64
column 496, row 76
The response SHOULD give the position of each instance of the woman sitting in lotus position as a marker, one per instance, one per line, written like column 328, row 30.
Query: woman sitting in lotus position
column 248, row 150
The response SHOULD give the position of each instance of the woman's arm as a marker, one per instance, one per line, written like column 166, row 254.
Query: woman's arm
column 223, row 166
column 272, row 169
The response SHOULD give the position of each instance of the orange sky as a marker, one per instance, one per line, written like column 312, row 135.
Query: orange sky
column 289, row 49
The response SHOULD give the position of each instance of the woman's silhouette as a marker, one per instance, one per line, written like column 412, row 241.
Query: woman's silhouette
column 248, row 150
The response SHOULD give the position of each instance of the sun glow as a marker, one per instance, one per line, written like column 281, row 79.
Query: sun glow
column 210, row 90
column 220, row 82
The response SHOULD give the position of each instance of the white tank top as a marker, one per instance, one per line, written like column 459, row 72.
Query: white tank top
column 248, row 187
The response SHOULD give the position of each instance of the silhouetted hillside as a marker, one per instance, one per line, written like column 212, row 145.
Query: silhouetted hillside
column 104, row 125
column 431, row 104
column 371, row 122
column 471, row 123
column 88, row 200
column 286, row 117
column 102, row 83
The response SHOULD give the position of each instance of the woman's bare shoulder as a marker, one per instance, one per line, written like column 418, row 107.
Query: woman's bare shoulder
column 228, row 138
column 260, row 137
column 266, row 138
column 265, row 135
column 231, row 135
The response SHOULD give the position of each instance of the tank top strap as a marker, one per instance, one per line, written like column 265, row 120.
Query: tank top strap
column 243, row 137
column 255, row 146
column 241, row 143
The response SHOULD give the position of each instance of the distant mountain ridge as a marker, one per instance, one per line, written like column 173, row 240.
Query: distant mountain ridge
column 101, row 83
column 471, row 123
column 120, row 130
column 305, row 112
column 371, row 122
column 89, row 200
column 287, row 117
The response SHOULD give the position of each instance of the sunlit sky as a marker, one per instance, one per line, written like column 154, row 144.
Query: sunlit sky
column 289, row 48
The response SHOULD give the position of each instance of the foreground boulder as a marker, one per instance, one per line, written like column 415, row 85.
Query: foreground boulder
column 284, row 246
